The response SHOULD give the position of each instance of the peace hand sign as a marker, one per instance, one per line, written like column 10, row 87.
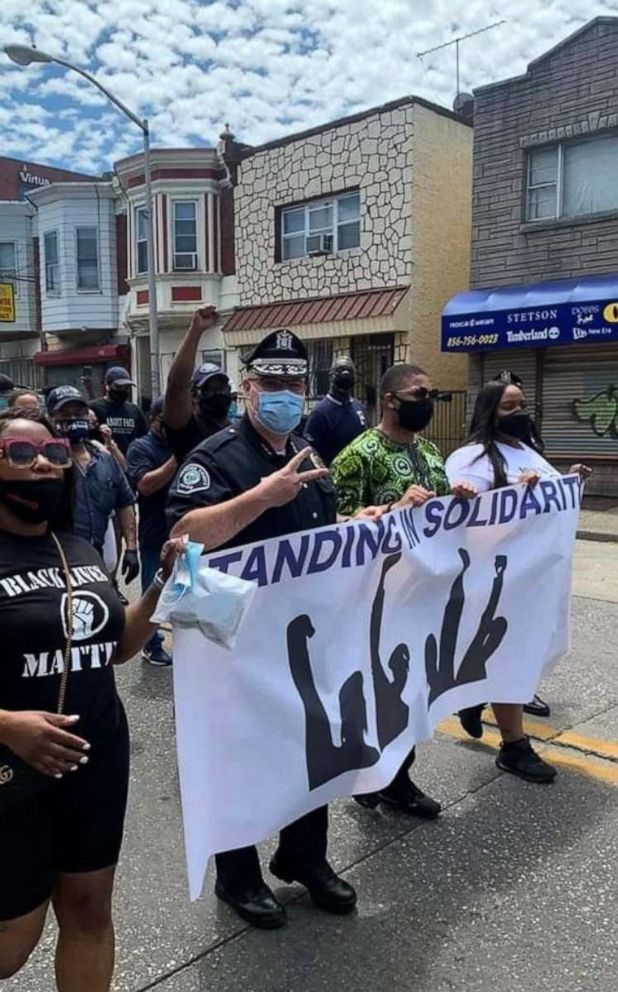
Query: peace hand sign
column 283, row 486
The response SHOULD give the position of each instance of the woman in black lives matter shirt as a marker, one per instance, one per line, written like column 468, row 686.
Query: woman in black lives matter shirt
column 60, row 839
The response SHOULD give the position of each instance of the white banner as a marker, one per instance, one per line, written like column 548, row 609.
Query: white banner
column 360, row 639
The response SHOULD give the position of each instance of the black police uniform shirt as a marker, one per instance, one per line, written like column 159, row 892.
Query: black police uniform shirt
column 125, row 420
column 32, row 621
column 235, row 460
column 332, row 425
column 146, row 455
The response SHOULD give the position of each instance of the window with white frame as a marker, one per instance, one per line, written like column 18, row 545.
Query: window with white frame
column 8, row 263
column 141, row 240
column 52, row 265
column 572, row 179
column 185, row 235
column 87, row 259
column 321, row 226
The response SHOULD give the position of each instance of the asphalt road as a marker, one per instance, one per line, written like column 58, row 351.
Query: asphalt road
column 515, row 887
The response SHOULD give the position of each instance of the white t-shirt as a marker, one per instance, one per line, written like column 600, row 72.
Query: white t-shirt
column 462, row 467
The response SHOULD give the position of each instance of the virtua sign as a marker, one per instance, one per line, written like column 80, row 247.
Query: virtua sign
column 31, row 179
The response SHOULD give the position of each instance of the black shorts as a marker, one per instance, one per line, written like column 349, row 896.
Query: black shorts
column 75, row 826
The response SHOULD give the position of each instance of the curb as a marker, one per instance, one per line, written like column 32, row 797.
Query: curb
column 594, row 535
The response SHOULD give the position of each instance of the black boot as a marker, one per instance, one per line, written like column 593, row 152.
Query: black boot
column 519, row 758
column 327, row 890
column 257, row 907
column 407, row 797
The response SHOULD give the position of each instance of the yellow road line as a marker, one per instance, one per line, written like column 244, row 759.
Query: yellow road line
column 602, row 748
column 557, row 754
column 566, row 738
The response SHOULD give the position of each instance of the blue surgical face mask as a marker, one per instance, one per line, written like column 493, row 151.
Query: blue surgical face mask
column 4, row 403
column 280, row 412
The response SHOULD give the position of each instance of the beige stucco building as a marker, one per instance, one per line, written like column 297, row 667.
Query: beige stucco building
column 354, row 235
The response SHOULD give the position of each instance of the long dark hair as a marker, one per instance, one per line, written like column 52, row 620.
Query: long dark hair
column 63, row 517
column 484, row 428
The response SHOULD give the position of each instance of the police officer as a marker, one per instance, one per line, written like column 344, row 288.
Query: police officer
column 337, row 419
column 251, row 482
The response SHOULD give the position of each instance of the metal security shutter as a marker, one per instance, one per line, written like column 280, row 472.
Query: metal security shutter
column 580, row 401
column 521, row 361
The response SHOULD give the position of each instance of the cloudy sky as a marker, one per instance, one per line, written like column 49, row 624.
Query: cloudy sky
column 269, row 67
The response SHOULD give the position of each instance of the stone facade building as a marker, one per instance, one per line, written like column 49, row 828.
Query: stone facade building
column 544, row 273
column 354, row 234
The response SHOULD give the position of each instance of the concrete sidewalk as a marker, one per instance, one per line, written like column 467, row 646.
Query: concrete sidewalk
column 599, row 520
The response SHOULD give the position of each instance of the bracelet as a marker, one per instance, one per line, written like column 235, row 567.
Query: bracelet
column 159, row 580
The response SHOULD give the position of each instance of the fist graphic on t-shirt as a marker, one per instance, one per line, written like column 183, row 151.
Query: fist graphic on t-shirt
column 83, row 619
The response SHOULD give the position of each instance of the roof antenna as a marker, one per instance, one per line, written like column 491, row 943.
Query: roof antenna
column 455, row 42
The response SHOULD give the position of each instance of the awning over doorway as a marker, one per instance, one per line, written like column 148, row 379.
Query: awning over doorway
column 84, row 356
column 538, row 315
column 325, row 316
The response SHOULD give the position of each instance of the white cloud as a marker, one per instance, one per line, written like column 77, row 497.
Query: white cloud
column 266, row 66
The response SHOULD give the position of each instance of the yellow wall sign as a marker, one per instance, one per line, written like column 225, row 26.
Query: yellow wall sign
column 7, row 302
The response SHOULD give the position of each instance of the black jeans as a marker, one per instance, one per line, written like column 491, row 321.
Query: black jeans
column 301, row 844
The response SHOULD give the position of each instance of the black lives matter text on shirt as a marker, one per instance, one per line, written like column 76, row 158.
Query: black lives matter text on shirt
column 32, row 619
column 125, row 420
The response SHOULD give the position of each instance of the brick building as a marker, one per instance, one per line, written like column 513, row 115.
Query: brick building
column 544, row 273
column 354, row 234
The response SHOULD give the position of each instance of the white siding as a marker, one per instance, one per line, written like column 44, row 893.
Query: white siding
column 71, row 309
column 16, row 226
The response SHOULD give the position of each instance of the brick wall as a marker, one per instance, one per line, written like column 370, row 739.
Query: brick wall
column 12, row 186
column 571, row 92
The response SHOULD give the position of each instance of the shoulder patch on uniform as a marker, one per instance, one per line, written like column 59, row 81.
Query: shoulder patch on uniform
column 193, row 478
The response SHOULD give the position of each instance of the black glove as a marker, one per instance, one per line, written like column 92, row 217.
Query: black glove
column 130, row 566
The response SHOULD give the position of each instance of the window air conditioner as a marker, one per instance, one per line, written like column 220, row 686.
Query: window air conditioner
column 319, row 244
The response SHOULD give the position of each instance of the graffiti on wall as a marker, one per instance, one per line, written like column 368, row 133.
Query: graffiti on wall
column 600, row 411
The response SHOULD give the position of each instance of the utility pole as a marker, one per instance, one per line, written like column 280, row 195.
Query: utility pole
column 455, row 42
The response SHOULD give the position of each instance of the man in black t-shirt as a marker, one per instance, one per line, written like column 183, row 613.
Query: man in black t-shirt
column 337, row 419
column 196, row 402
column 125, row 419
column 151, row 468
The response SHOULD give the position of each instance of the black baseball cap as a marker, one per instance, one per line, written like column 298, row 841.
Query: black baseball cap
column 61, row 396
column 6, row 383
column 117, row 376
column 280, row 353
column 205, row 372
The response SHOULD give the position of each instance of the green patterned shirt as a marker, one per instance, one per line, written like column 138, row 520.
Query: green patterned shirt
column 374, row 470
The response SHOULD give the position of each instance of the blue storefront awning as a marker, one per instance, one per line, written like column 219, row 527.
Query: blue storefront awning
column 561, row 312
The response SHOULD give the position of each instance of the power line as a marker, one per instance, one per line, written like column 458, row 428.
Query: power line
column 455, row 42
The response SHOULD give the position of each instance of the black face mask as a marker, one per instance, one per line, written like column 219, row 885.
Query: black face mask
column 517, row 424
column 75, row 430
column 119, row 395
column 414, row 415
column 217, row 405
column 344, row 381
column 32, row 500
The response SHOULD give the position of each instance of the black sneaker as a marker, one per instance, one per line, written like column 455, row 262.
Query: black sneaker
column 519, row 758
column 470, row 719
column 157, row 656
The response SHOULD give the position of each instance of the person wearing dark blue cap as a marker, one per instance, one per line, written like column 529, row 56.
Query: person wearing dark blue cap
column 101, row 487
column 196, row 402
column 151, row 468
column 124, row 418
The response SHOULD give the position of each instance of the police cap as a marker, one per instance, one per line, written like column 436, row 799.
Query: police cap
column 280, row 353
